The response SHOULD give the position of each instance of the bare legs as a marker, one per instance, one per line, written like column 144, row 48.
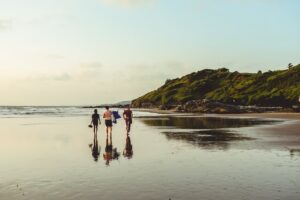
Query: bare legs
column 109, row 130
column 95, row 129
column 128, row 126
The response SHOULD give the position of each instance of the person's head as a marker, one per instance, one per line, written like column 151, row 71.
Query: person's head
column 95, row 111
column 107, row 107
column 128, row 107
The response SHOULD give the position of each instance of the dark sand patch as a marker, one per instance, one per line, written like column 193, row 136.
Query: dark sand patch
column 210, row 139
column 204, row 122
column 273, row 132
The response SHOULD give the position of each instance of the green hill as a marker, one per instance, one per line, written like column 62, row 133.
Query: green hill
column 272, row 88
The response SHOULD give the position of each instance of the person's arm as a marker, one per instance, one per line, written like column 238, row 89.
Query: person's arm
column 99, row 120
column 124, row 115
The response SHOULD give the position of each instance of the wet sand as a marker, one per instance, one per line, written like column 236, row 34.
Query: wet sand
column 54, row 158
column 285, row 134
column 290, row 128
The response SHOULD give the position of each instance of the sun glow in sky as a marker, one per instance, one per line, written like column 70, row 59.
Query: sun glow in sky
column 80, row 52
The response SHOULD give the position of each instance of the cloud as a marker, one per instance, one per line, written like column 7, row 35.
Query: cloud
column 91, row 65
column 92, row 82
column 62, row 77
column 55, row 56
column 52, row 77
column 137, row 79
column 158, row 71
column 128, row 3
column 89, row 71
column 5, row 24
column 247, row 2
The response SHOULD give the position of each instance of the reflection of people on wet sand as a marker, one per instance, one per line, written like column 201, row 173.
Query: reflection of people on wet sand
column 95, row 148
column 127, row 115
column 110, row 152
column 128, row 152
column 293, row 151
column 95, row 121
column 108, row 120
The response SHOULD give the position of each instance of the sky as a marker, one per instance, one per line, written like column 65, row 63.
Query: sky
column 90, row 52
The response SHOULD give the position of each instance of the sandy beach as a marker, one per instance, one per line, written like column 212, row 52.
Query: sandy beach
column 288, row 132
column 53, row 156
column 275, row 115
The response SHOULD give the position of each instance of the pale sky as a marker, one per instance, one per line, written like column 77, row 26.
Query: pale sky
column 88, row 52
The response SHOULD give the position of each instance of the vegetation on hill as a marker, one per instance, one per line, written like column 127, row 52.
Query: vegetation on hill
column 272, row 88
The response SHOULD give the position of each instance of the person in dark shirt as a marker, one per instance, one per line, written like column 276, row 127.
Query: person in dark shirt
column 95, row 121
column 127, row 115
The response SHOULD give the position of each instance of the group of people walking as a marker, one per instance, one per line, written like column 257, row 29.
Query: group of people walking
column 110, row 117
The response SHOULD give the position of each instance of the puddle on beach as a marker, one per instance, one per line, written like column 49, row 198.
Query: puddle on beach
column 206, row 132
column 212, row 139
column 204, row 122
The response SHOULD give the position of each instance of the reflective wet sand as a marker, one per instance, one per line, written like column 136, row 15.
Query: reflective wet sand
column 164, row 158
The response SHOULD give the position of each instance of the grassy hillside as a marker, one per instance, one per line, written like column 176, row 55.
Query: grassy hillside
column 273, row 88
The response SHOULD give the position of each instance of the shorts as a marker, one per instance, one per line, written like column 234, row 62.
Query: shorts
column 95, row 123
column 128, row 121
column 108, row 123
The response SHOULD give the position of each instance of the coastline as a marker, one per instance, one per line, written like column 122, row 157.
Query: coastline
column 273, row 115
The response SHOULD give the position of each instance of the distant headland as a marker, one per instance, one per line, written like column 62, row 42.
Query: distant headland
column 121, row 104
column 222, row 91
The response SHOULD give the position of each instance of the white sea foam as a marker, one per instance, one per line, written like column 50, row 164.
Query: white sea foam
column 57, row 111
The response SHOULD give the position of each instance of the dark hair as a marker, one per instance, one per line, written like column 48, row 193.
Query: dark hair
column 106, row 107
column 95, row 111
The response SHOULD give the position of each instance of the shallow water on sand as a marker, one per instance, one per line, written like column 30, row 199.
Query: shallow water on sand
column 171, row 158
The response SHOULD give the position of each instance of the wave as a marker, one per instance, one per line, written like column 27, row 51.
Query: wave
column 10, row 111
column 57, row 111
